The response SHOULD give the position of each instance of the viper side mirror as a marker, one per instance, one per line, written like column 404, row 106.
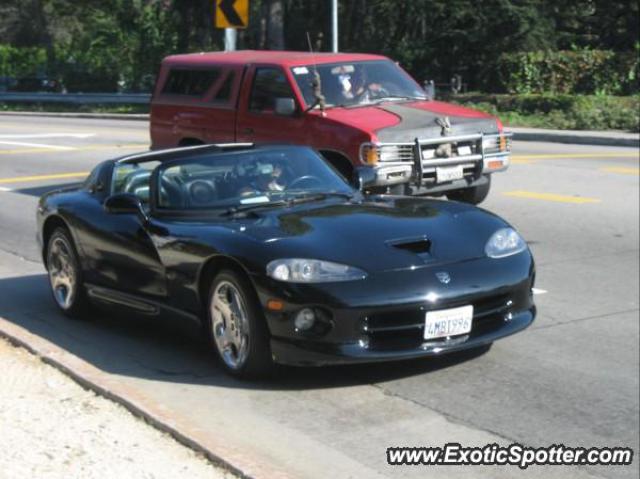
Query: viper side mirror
column 125, row 203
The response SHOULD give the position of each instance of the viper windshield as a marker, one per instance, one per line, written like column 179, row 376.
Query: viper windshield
column 357, row 83
column 236, row 181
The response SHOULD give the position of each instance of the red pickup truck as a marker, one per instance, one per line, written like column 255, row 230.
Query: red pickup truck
column 356, row 109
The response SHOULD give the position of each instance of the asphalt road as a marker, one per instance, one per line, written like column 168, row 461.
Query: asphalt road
column 572, row 378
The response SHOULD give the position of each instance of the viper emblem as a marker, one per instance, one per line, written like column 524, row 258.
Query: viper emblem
column 443, row 277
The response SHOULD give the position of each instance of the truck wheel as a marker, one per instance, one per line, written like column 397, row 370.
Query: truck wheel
column 340, row 163
column 474, row 195
column 190, row 142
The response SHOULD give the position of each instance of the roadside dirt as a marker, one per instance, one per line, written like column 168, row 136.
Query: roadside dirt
column 50, row 427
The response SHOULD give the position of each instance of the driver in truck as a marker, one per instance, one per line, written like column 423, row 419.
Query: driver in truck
column 355, row 87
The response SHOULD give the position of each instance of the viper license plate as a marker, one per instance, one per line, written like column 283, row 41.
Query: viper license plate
column 448, row 322
column 449, row 173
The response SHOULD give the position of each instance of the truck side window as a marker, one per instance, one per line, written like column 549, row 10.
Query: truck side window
column 223, row 95
column 268, row 84
column 190, row 82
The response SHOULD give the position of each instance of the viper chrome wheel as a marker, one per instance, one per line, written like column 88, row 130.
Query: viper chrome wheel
column 63, row 275
column 230, row 324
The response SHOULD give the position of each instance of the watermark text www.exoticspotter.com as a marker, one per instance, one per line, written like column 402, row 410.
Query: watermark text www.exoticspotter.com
column 454, row 454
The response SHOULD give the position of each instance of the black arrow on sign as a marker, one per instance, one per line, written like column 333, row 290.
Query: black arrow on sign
column 226, row 7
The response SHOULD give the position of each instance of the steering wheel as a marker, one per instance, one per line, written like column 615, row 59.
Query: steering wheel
column 171, row 193
column 201, row 193
column 304, row 179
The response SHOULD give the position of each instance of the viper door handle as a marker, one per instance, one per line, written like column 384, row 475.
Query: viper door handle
column 248, row 131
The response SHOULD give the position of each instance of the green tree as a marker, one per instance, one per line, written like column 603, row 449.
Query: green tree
column 100, row 43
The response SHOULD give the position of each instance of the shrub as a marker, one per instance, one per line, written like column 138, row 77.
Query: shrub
column 22, row 62
column 580, row 112
column 575, row 71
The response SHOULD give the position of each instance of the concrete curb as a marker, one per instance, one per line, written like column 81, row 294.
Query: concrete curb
column 584, row 139
column 214, row 448
column 549, row 136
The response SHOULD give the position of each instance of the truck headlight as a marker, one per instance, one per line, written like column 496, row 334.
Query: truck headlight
column 496, row 143
column 372, row 153
column 504, row 242
column 300, row 270
column 369, row 153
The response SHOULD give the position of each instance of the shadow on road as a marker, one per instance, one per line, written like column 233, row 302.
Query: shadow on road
column 167, row 349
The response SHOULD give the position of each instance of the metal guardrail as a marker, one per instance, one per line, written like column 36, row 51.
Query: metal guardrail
column 77, row 98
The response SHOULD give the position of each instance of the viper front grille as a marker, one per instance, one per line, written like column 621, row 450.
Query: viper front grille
column 404, row 328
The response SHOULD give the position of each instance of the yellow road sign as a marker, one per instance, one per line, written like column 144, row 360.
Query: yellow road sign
column 232, row 13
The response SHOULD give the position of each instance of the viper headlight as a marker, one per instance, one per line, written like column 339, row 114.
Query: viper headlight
column 300, row 270
column 505, row 242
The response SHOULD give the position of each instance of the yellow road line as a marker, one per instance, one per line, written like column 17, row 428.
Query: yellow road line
column 622, row 170
column 77, row 148
column 25, row 179
column 622, row 154
column 520, row 161
column 28, row 150
column 551, row 197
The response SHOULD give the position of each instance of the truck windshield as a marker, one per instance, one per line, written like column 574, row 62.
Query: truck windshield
column 357, row 83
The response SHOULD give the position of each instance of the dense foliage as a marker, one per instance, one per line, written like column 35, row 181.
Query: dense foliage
column 111, row 44
column 578, row 71
column 573, row 112
column 21, row 61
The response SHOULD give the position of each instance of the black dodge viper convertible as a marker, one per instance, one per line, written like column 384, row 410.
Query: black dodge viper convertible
column 281, row 260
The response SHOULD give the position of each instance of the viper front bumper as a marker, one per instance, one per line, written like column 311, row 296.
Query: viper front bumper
column 309, row 353
column 383, row 317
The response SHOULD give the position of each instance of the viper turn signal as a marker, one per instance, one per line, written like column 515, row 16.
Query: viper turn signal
column 275, row 305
